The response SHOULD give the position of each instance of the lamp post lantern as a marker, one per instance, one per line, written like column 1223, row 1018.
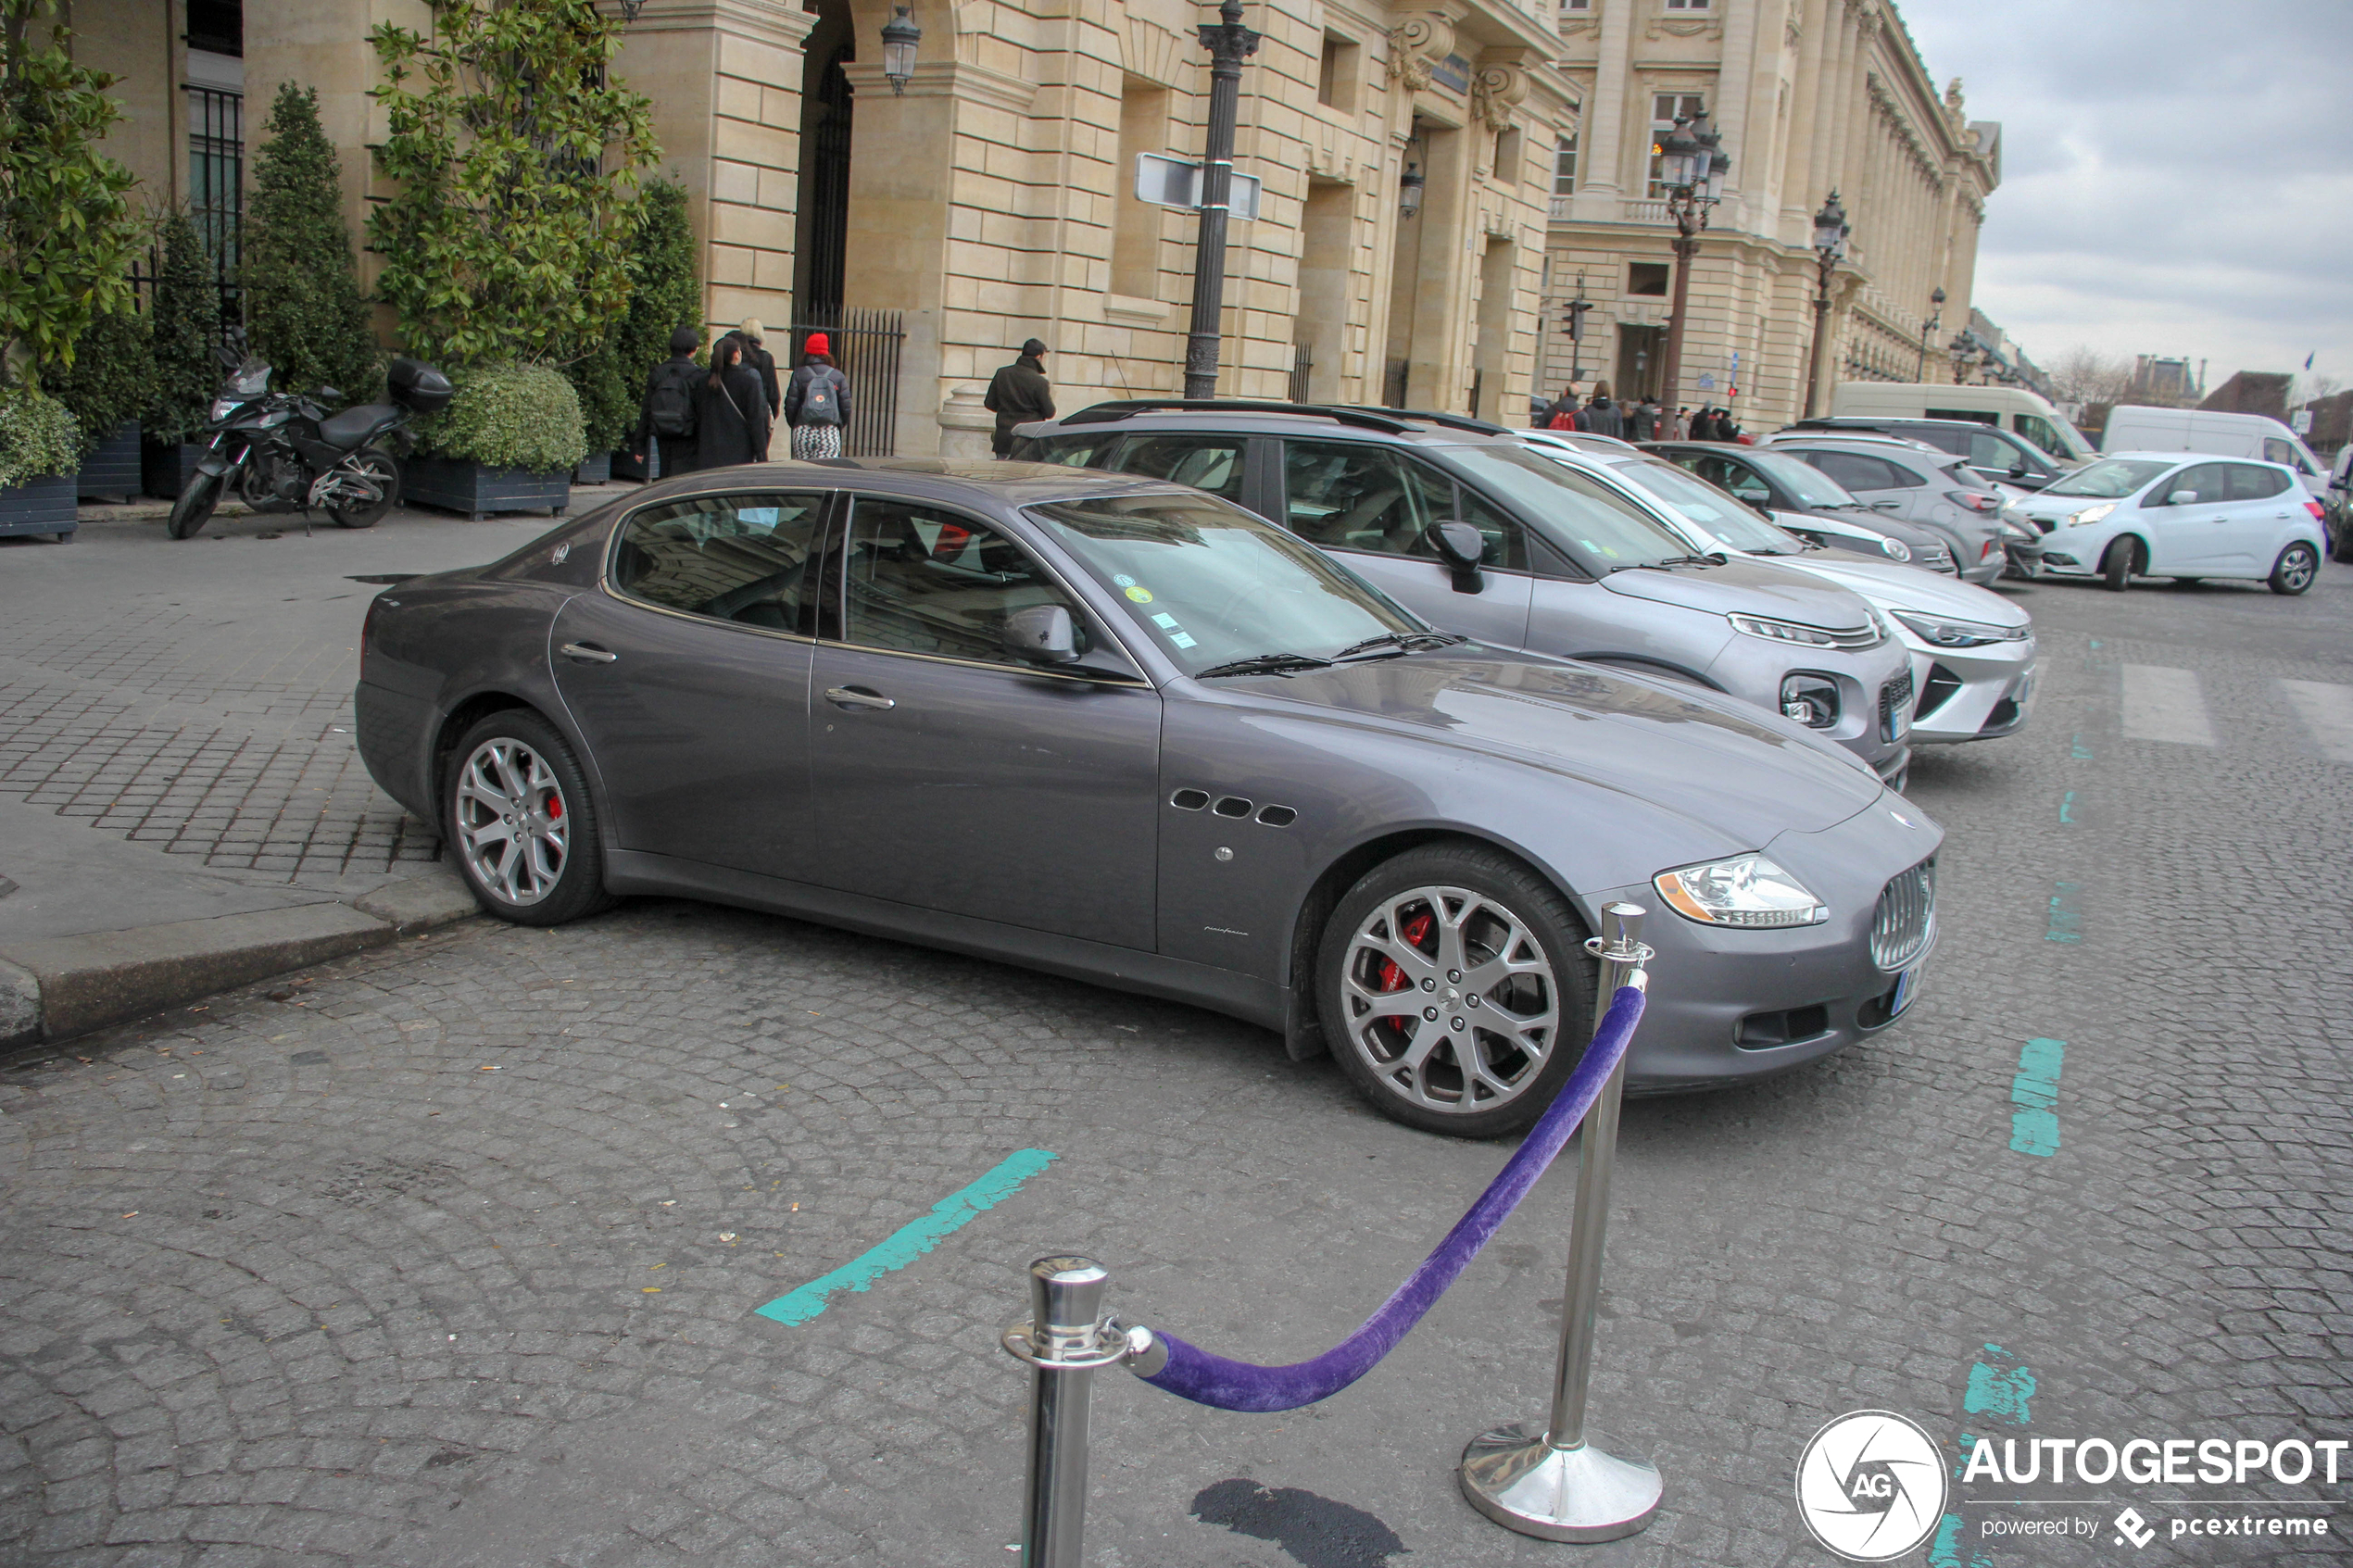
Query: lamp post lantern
column 1831, row 229
column 1928, row 330
column 1965, row 355
column 899, row 36
column 1576, row 308
column 1409, row 191
column 1229, row 43
column 1692, row 167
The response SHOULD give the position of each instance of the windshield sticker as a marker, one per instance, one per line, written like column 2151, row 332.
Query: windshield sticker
column 1124, row 580
column 1176, row 635
column 1181, row 640
column 1598, row 549
column 1141, row 595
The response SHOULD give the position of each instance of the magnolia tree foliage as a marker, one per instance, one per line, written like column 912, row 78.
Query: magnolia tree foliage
column 68, row 232
column 665, row 295
column 517, row 162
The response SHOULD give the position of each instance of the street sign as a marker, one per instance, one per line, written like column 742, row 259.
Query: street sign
column 1167, row 182
column 2301, row 421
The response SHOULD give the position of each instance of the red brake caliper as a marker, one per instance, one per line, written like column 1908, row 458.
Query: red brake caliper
column 1414, row 932
column 555, row 807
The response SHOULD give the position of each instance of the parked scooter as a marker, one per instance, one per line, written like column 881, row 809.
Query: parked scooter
column 280, row 451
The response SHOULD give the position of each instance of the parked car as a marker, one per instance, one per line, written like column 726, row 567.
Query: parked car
column 1807, row 502
column 1577, row 440
column 2131, row 427
column 2337, row 505
column 1919, row 483
column 1571, row 562
column 1997, row 456
column 1132, row 734
column 2009, row 408
column 2152, row 514
column 1972, row 650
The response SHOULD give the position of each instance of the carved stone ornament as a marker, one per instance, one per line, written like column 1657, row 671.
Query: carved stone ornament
column 1417, row 43
column 1681, row 27
column 1495, row 92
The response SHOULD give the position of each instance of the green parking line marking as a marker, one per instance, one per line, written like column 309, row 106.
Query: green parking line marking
column 2067, row 923
column 2067, row 808
column 2080, row 752
column 2034, row 1127
column 912, row 1240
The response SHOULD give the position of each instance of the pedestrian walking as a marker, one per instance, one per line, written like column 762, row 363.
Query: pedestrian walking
column 1561, row 413
column 817, row 403
column 666, row 411
column 1019, row 393
column 731, row 416
column 753, row 337
column 1679, row 425
column 1641, row 424
column 1602, row 417
column 1704, row 424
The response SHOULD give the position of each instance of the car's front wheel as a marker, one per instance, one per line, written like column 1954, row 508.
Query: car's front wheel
column 517, row 809
column 1455, row 990
column 2298, row 564
column 2118, row 565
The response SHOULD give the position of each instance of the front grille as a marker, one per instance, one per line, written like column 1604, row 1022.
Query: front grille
column 1906, row 909
column 1891, row 698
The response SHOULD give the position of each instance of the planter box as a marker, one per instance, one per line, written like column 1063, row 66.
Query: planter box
column 165, row 470
column 595, row 469
column 478, row 491
column 39, row 506
column 112, row 472
column 622, row 466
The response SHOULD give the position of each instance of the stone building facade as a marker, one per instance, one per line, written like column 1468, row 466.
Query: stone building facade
column 993, row 200
column 1812, row 96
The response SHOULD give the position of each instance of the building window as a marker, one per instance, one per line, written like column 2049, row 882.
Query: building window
column 1336, row 78
column 1665, row 106
column 1577, row 7
column 1508, row 157
column 215, row 185
column 1135, row 243
column 1564, row 164
column 1646, row 278
column 1690, row 5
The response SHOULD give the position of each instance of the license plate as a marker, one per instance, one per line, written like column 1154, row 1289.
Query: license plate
column 1907, row 987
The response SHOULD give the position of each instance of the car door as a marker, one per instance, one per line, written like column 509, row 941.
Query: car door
column 1372, row 506
column 2186, row 520
column 687, row 674
column 948, row 776
column 2255, row 520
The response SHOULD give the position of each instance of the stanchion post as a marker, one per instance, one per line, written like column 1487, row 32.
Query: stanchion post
column 1559, row 1485
column 1065, row 1339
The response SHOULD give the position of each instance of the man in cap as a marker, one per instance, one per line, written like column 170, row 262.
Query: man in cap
column 1018, row 394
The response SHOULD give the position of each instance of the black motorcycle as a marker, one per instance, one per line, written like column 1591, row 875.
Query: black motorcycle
column 278, row 451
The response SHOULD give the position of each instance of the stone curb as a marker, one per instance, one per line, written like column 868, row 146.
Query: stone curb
column 58, row 987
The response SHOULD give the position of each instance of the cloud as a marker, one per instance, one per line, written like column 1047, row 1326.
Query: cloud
column 2177, row 177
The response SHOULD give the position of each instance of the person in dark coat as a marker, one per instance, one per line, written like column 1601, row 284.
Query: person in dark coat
column 1602, row 417
column 731, row 414
column 1561, row 413
column 1019, row 393
column 751, row 335
column 669, row 399
column 1642, row 424
column 1704, row 425
column 817, row 403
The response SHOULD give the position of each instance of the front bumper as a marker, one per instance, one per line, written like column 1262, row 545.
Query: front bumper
column 1970, row 693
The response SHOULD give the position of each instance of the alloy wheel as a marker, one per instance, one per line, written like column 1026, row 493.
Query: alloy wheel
column 1451, row 999
column 513, row 826
column 2296, row 569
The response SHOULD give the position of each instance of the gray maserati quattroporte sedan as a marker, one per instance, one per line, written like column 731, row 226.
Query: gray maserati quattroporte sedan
column 1127, row 731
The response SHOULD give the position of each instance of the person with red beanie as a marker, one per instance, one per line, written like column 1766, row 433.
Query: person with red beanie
column 817, row 403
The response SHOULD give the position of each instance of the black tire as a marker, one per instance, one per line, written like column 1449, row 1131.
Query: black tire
column 193, row 506
column 1489, row 898
column 537, row 888
column 2296, row 569
column 2342, row 540
column 385, row 468
column 2118, row 565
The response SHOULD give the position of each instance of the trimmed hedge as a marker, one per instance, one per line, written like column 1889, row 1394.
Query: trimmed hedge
column 510, row 417
column 304, row 314
column 185, row 328
column 37, row 435
column 111, row 379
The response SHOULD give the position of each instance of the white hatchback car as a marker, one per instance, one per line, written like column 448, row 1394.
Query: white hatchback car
column 2170, row 514
column 1972, row 650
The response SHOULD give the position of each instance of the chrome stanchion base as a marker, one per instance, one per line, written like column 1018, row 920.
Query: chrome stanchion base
column 1523, row 1482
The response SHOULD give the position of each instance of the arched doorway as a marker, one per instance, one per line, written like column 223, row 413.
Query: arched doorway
column 822, row 226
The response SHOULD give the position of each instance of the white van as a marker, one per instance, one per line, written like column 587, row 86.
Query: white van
column 2135, row 428
column 2004, row 407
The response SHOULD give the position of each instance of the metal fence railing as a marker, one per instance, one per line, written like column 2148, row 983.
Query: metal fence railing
column 866, row 346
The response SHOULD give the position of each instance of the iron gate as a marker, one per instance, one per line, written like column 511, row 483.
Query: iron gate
column 866, row 346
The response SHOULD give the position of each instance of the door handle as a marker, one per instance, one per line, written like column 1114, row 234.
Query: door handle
column 857, row 697
column 589, row 653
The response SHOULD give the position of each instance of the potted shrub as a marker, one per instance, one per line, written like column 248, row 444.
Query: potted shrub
column 663, row 295
column 38, row 443
column 106, row 384
column 508, row 444
column 183, row 331
column 304, row 313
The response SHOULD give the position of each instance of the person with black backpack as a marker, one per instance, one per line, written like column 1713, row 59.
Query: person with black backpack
column 817, row 403
column 666, row 413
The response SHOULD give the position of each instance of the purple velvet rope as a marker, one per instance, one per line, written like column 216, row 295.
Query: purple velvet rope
column 1195, row 1374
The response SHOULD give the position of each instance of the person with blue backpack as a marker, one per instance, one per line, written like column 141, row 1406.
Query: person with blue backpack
column 666, row 413
column 817, row 403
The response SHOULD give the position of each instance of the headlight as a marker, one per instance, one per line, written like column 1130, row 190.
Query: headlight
column 2090, row 515
column 1939, row 632
column 1805, row 636
column 221, row 406
column 1811, row 701
column 1896, row 549
column 1747, row 890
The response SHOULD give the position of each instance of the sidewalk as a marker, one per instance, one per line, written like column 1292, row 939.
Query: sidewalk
column 181, row 808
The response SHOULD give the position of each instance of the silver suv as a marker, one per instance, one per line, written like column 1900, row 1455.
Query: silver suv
column 1916, row 482
column 1468, row 525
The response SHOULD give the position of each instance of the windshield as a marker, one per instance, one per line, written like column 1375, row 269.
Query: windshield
column 1603, row 530
column 1809, row 484
column 1214, row 584
column 2111, row 479
column 1727, row 520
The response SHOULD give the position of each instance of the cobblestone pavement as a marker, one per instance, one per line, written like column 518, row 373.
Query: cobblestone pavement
column 447, row 1254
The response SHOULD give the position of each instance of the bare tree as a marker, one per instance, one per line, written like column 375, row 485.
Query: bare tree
column 2082, row 374
column 2311, row 389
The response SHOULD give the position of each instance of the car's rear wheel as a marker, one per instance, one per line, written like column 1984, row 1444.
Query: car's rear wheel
column 516, row 807
column 2118, row 565
column 1455, row 990
column 2297, row 566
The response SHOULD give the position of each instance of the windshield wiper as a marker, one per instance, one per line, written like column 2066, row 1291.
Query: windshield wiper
column 1404, row 642
column 1266, row 664
column 1717, row 559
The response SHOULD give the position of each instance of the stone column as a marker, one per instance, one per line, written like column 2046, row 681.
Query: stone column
column 1600, row 161
column 1805, row 181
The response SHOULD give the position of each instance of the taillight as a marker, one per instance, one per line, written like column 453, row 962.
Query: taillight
column 1993, row 548
column 2319, row 513
column 1975, row 500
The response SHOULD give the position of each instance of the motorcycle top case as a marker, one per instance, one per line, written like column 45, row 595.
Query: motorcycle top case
column 418, row 387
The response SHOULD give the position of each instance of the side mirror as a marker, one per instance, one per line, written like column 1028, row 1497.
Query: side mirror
column 1041, row 634
column 1762, row 503
column 2181, row 499
column 1461, row 546
column 2018, row 468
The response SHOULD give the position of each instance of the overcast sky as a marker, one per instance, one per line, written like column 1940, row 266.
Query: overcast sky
column 2177, row 175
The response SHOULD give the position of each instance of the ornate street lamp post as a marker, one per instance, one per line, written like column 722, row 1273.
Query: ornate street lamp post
column 1229, row 43
column 1576, row 308
column 1693, row 166
column 899, row 36
column 1831, row 229
column 1965, row 356
column 1928, row 330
